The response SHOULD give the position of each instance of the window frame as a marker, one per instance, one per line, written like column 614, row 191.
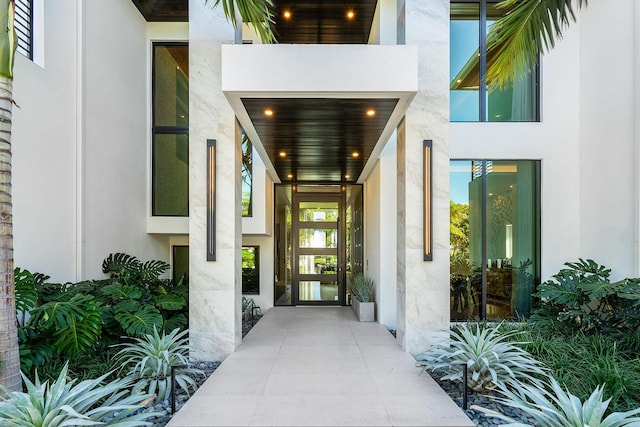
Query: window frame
column 483, row 94
column 483, row 210
column 157, row 130
column 23, row 18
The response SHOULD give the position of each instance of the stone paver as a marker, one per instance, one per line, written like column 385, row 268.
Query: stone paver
column 319, row 366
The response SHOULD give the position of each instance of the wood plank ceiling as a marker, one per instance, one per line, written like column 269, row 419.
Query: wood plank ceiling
column 315, row 139
column 163, row 10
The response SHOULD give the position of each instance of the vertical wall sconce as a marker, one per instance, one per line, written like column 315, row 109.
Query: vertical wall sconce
column 427, row 201
column 211, row 199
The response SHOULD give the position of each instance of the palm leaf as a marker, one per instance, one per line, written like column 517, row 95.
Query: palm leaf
column 140, row 322
column 529, row 28
column 257, row 12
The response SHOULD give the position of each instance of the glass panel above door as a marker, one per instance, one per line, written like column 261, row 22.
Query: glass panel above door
column 319, row 211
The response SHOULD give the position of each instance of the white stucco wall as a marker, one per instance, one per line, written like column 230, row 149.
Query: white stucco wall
column 116, row 135
column 607, row 103
column 44, row 150
column 82, row 137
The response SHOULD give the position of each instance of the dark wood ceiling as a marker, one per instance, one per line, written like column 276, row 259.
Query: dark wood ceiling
column 319, row 136
column 324, row 21
column 163, row 10
column 311, row 21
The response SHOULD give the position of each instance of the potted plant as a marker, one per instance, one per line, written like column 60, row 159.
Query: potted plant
column 362, row 297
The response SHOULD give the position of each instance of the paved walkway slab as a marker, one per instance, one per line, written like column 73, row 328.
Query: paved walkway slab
column 319, row 366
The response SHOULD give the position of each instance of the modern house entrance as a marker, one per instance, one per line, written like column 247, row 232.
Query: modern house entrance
column 318, row 243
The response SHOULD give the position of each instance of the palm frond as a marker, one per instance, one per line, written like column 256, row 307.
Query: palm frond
column 529, row 28
column 258, row 13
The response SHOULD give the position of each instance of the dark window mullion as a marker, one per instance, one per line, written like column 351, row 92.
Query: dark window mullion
column 483, row 304
column 483, row 61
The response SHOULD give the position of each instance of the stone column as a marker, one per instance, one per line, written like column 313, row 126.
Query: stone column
column 215, row 326
column 423, row 286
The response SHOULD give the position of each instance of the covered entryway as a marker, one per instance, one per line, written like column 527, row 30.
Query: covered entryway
column 318, row 243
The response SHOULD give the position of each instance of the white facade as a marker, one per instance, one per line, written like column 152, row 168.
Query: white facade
column 82, row 144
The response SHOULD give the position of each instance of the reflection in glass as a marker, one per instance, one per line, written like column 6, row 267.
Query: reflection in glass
column 250, row 269
column 516, row 102
column 171, row 85
column 319, row 211
column 318, row 238
column 465, row 241
column 247, row 176
column 318, row 291
column 465, row 79
column 171, row 175
column 283, row 245
column 317, row 264
column 506, row 265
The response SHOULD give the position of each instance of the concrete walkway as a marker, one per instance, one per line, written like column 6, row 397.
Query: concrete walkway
column 319, row 366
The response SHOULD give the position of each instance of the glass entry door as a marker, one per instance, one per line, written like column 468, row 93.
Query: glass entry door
column 318, row 249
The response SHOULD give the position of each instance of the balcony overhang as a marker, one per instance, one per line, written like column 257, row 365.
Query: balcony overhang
column 319, row 96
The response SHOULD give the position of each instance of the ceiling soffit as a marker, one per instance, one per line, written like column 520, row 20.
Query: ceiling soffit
column 314, row 139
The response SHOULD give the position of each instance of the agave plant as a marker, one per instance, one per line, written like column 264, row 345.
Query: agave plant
column 362, row 287
column 559, row 408
column 489, row 357
column 63, row 403
column 148, row 362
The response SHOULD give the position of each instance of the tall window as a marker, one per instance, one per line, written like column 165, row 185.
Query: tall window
column 471, row 99
column 24, row 27
column 170, row 164
column 247, row 176
column 495, row 237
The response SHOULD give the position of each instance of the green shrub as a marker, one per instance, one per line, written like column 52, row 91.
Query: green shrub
column 582, row 297
column 71, row 320
column 489, row 356
column 63, row 403
column 557, row 407
column 147, row 361
column 583, row 361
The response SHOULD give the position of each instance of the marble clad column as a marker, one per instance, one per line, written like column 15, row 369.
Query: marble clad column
column 215, row 327
column 423, row 287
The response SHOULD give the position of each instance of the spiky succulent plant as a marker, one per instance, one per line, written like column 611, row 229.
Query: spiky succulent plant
column 148, row 360
column 490, row 357
column 64, row 403
column 556, row 407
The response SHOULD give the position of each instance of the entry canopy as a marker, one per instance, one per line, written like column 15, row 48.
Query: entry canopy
column 320, row 113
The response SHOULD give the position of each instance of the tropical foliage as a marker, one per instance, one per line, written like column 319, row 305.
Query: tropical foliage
column 490, row 358
column 557, row 407
column 528, row 29
column 71, row 320
column 582, row 297
column 64, row 403
column 582, row 361
column 257, row 12
column 148, row 361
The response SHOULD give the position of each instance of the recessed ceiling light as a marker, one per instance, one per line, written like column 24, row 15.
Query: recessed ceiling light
column 290, row 176
column 459, row 80
column 268, row 112
column 287, row 14
column 347, row 176
column 282, row 154
column 351, row 14
column 355, row 154
column 371, row 112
